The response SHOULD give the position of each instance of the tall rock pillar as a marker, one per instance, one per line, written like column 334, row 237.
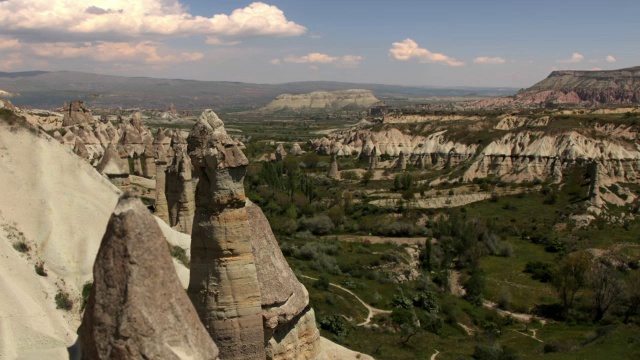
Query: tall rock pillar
column 179, row 189
column 224, row 285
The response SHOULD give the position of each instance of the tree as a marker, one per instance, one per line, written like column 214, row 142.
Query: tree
column 367, row 177
column 407, row 323
column 569, row 277
column 475, row 286
column 607, row 290
column 631, row 296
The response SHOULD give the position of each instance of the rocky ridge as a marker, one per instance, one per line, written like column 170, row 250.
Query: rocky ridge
column 354, row 99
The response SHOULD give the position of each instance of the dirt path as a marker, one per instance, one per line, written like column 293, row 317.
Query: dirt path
column 378, row 239
column 372, row 311
column 469, row 330
column 433, row 357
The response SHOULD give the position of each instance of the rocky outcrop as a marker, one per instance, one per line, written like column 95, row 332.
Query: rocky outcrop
column 373, row 159
column 571, row 87
column 354, row 99
column 289, row 322
column 224, row 285
column 114, row 167
column 433, row 150
column 137, row 308
column 180, row 187
column 402, row 162
column 333, row 168
column 281, row 153
column 75, row 113
column 296, row 149
column 527, row 156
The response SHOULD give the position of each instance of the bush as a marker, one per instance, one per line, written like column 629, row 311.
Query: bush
column 179, row 254
column 22, row 247
column 86, row 290
column 63, row 301
column 322, row 283
column 538, row 270
column 318, row 225
column 334, row 324
column 401, row 302
column 39, row 267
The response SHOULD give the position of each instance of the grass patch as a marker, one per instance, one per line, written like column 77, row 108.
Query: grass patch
column 63, row 301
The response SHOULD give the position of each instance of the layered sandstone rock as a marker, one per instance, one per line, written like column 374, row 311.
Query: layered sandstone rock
column 224, row 284
column 289, row 322
column 76, row 112
column 137, row 308
column 180, row 187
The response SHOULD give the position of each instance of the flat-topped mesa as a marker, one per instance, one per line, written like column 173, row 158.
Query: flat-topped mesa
column 137, row 308
column 223, row 284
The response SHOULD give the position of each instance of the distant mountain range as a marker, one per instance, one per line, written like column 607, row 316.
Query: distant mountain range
column 42, row 89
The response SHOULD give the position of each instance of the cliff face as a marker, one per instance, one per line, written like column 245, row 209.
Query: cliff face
column 586, row 88
column 323, row 100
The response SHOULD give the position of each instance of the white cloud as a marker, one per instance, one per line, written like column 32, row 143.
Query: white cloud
column 409, row 50
column 575, row 58
column 9, row 43
column 147, row 52
column 610, row 59
column 346, row 61
column 349, row 61
column 124, row 19
column 311, row 58
column 489, row 60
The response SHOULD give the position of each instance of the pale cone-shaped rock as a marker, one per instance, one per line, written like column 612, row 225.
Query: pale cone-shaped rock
column 223, row 286
column 137, row 308
column 333, row 168
column 280, row 153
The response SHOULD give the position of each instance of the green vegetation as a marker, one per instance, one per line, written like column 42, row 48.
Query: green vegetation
column 179, row 254
column 63, row 301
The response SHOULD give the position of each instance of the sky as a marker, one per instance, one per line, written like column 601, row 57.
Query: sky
column 480, row 43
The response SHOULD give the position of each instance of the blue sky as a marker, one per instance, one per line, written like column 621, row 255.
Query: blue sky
column 408, row 42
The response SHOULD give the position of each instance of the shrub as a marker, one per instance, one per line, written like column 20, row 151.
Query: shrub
column 39, row 267
column 318, row 225
column 322, row 283
column 538, row 270
column 334, row 324
column 86, row 290
column 401, row 302
column 63, row 301
column 179, row 254
column 22, row 247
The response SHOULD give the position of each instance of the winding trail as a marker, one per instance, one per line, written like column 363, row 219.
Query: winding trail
column 372, row 311
column 433, row 357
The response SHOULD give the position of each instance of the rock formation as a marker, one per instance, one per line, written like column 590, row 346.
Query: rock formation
column 76, row 112
column 402, row 162
column 288, row 320
column 333, row 168
column 373, row 159
column 584, row 88
column 296, row 149
column 114, row 168
column 354, row 99
column 281, row 153
column 137, row 308
column 179, row 187
column 161, row 205
column 224, row 285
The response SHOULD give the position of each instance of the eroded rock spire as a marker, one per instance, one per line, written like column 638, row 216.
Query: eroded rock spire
column 223, row 285
column 137, row 308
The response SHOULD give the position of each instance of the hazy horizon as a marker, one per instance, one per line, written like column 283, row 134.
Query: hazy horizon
column 406, row 42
